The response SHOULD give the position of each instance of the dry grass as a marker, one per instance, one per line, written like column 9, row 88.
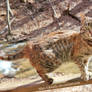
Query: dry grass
column 27, row 70
column 67, row 68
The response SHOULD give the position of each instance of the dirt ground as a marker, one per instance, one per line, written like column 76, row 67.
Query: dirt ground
column 39, row 23
column 28, row 23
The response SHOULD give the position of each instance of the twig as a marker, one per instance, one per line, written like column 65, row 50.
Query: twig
column 6, row 27
column 9, row 12
column 67, row 12
column 74, row 17
column 54, row 14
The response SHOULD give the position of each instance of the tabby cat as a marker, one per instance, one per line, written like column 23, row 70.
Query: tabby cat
column 49, row 52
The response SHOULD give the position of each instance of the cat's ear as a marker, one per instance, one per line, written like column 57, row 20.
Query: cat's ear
column 82, row 18
column 83, row 22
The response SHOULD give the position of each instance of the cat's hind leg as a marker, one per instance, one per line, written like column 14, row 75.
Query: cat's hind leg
column 88, row 73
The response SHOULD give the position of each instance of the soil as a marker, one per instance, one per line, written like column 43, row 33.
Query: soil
column 36, row 24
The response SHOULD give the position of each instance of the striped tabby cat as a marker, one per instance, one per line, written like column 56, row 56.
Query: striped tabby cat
column 50, row 51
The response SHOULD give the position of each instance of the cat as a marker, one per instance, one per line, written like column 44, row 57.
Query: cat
column 49, row 52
